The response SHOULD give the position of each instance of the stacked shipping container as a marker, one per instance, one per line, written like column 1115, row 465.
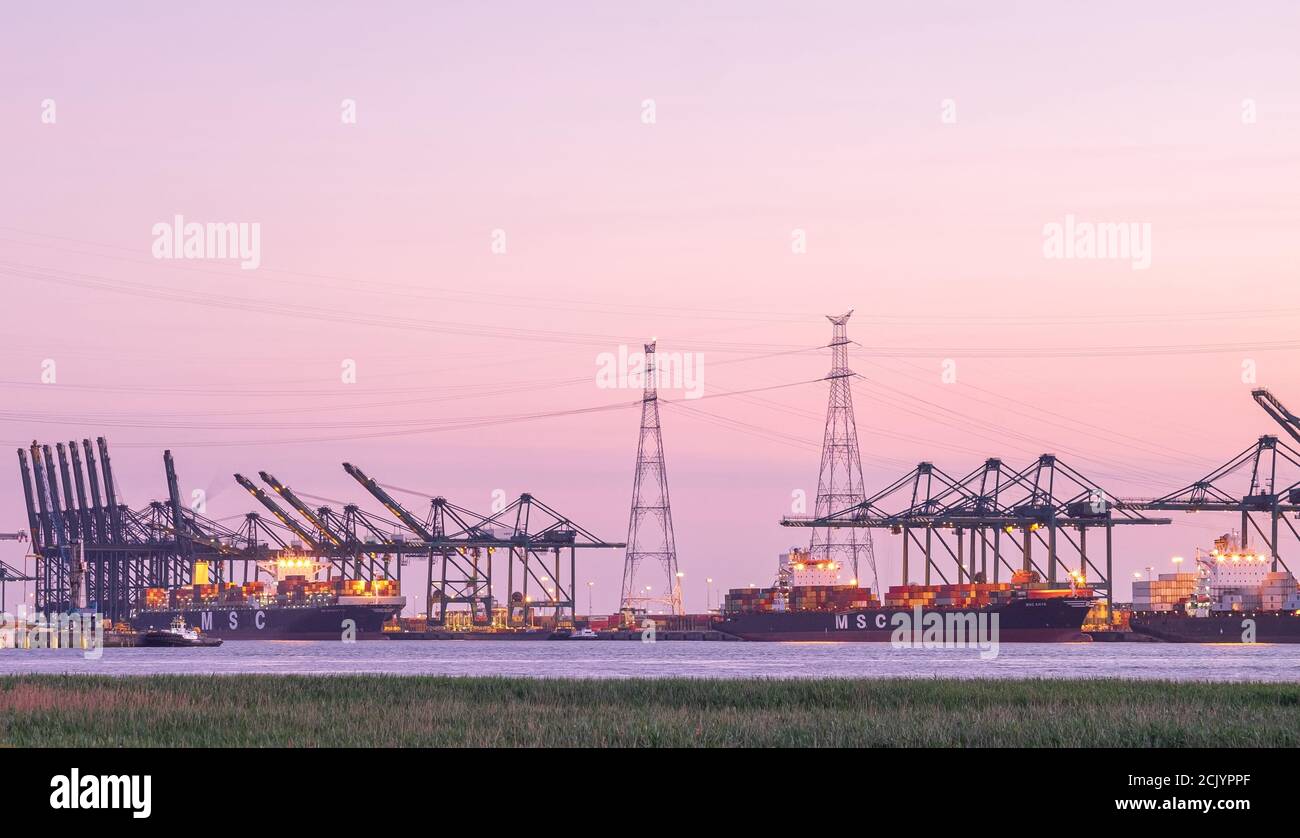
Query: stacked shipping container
column 849, row 597
column 1278, row 592
column 293, row 589
column 1167, row 593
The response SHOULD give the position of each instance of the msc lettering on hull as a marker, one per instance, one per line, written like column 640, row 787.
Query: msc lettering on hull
column 259, row 620
column 861, row 623
column 930, row 630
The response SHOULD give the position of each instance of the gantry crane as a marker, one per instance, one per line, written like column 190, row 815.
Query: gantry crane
column 89, row 545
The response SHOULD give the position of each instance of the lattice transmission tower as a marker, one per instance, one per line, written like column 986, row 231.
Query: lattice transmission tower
column 840, row 484
column 650, row 575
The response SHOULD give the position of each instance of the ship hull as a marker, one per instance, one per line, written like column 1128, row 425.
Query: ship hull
column 168, row 640
column 1269, row 627
column 1021, row 621
column 326, row 622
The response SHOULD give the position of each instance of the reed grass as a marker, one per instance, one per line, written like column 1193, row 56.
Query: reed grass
column 378, row 710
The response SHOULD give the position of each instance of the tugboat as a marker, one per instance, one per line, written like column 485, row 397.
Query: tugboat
column 178, row 635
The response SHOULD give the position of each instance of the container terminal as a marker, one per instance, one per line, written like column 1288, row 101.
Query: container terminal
column 313, row 573
column 1034, row 544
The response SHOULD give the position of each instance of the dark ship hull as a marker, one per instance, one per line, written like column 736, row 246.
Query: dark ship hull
column 315, row 622
column 1268, row 626
column 1058, row 620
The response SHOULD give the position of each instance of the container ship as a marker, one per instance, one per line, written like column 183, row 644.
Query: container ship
column 296, row 606
column 807, row 604
column 1230, row 596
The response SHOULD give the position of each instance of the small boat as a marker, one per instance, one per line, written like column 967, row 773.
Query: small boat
column 584, row 634
column 178, row 634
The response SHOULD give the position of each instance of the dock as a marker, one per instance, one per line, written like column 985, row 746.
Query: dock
column 509, row 636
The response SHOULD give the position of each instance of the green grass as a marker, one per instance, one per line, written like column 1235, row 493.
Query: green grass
column 268, row 710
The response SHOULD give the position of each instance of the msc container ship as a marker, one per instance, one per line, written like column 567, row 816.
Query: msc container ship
column 1230, row 596
column 807, row 604
column 294, row 607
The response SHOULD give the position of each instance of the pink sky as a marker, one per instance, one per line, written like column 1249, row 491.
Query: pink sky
column 375, row 246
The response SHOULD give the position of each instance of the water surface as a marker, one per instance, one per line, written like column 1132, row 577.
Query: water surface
column 604, row 659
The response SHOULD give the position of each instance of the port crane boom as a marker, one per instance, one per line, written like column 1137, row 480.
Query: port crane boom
column 277, row 511
column 1274, row 408
column 303, row 509
column 398, row 511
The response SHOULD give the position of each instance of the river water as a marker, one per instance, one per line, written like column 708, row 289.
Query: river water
column 605, row 659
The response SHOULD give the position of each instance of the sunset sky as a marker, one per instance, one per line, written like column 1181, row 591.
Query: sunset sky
column 772, row 124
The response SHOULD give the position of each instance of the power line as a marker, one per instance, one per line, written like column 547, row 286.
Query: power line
column 310, row 312
column 444, row 293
